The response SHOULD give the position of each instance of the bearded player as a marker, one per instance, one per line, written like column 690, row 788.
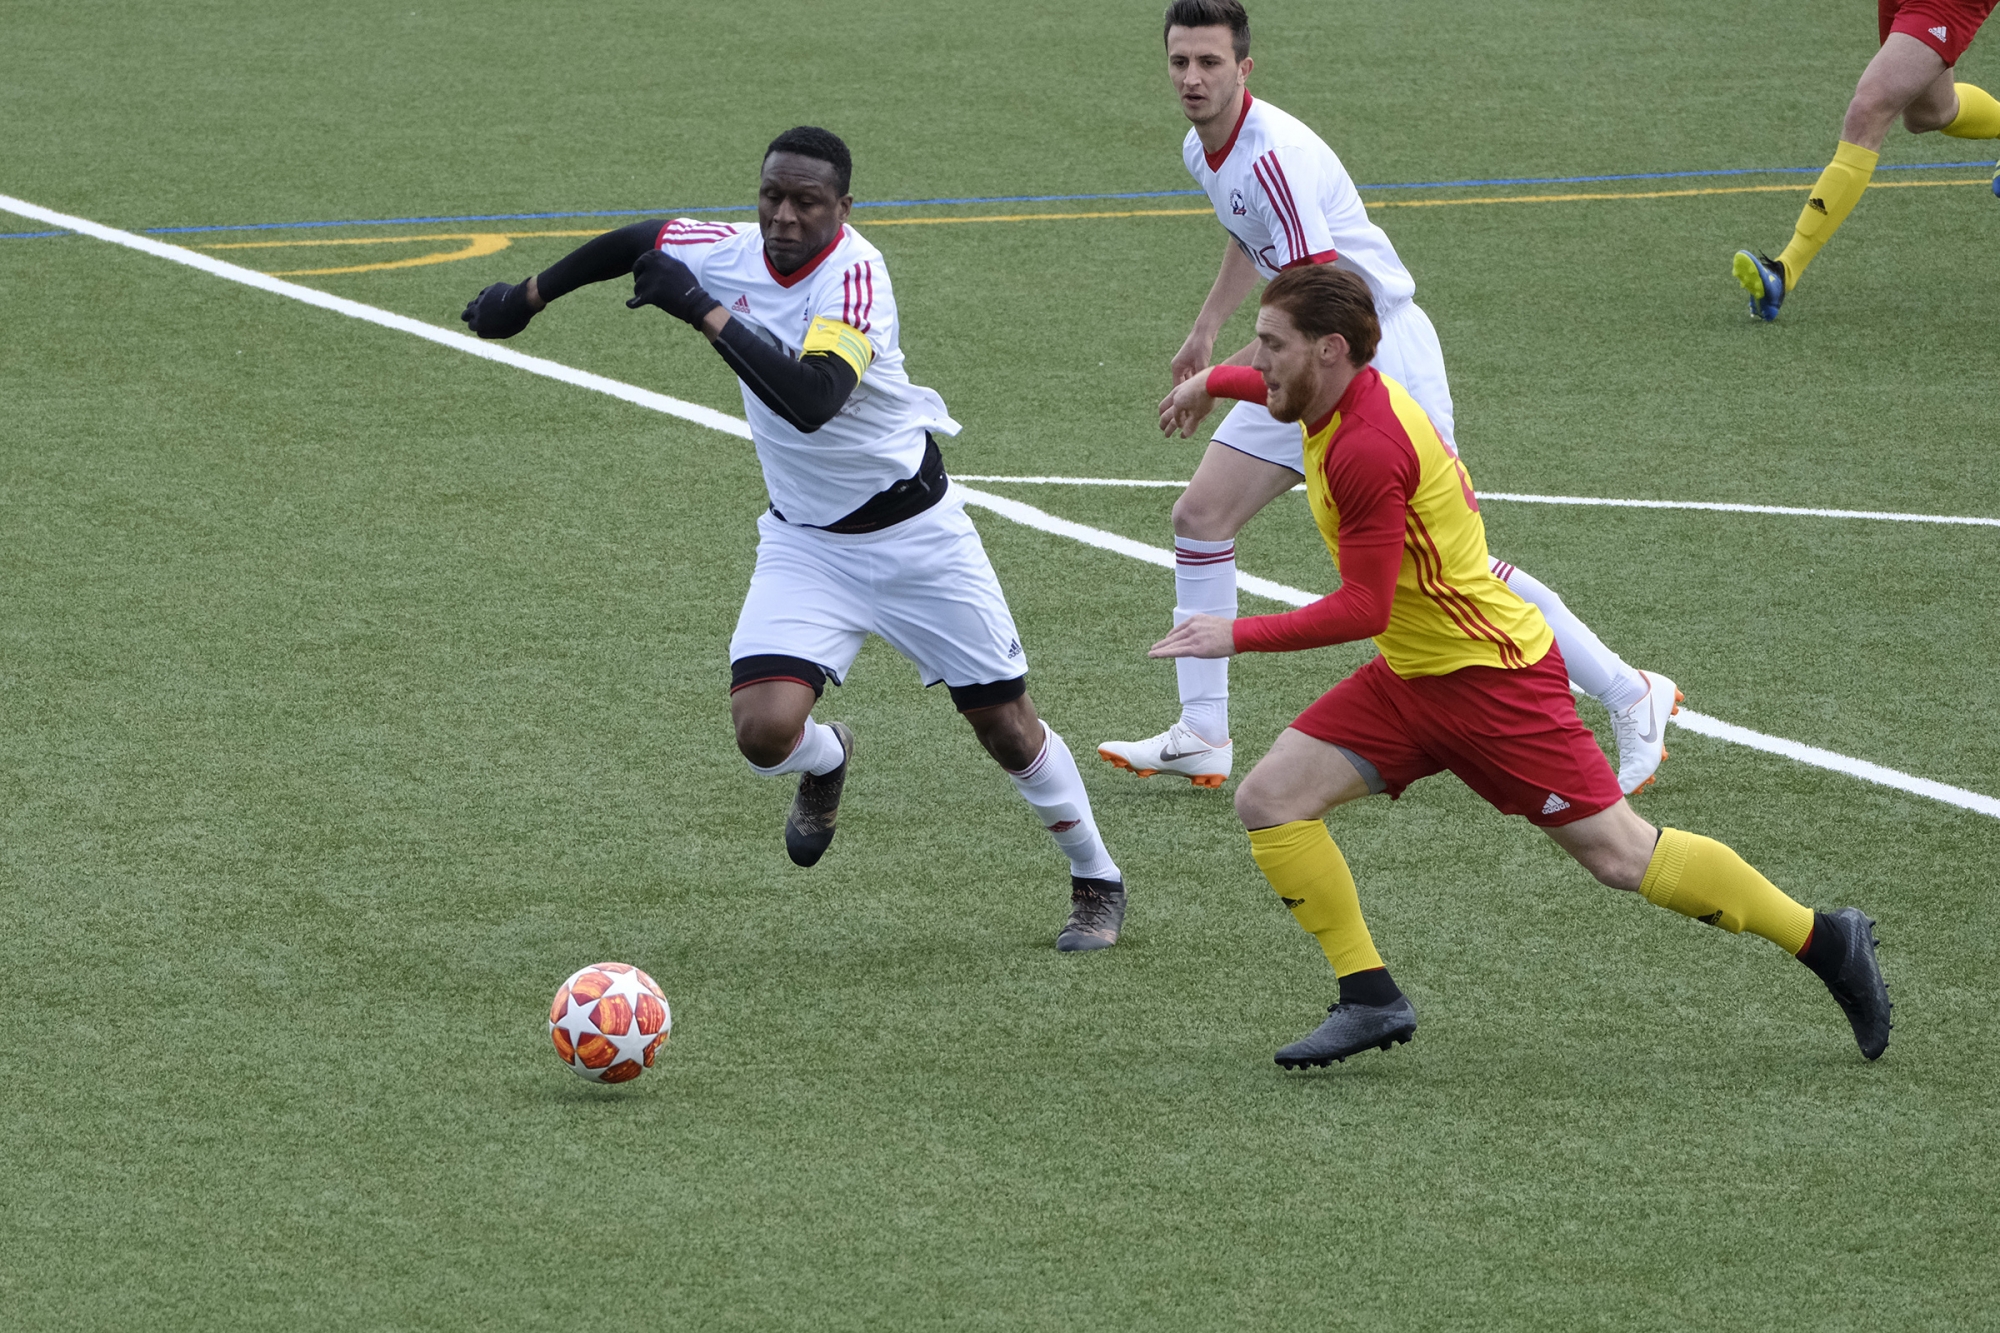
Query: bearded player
column 1469, row 678
column 1285, row 201
column 1910, row 76
column 865, row 533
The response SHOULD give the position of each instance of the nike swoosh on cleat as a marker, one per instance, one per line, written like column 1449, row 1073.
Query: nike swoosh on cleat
column 1168, row 756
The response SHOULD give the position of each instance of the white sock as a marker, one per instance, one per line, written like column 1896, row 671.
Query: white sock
column 1054, row 790
column 1204, row 584
column 1600, row 673
column 817, row 752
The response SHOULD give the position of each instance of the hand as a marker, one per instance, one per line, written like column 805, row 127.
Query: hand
column 1186, row 407
column 660, row 279
column 1192, row 359
column 500, row 311
column 1198, row 636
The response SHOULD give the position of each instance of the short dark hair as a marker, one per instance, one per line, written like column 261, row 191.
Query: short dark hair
column 812, row 141
column 1324, row 300
column 1212, row 14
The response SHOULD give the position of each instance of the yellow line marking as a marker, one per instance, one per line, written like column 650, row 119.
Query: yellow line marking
column 478, row 244
column 481, row 243
column 1644, row 194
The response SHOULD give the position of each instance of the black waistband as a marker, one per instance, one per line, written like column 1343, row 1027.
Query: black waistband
column 905, row 500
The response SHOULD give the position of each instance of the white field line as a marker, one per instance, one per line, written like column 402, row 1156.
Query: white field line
column 463, row 342
column 1013, row 510
column 1716, row 506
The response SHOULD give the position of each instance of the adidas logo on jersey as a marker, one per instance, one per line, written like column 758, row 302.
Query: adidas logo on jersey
column 742, row 306
column 1553, row 804
column 1939, row 32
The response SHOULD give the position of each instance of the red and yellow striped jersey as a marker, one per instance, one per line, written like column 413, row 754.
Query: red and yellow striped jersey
column 1381, row 482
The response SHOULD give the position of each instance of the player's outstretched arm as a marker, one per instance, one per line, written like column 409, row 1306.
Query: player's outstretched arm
column 806, row 392
column 1232, row 283
column 503, row 309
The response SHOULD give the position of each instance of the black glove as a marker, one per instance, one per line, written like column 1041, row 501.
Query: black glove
column 501, row 311
column 660, row 279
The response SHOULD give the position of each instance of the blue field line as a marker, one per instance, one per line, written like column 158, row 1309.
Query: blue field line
column 990, row 199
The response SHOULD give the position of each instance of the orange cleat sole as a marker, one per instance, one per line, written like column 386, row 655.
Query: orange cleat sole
column 1208, row 780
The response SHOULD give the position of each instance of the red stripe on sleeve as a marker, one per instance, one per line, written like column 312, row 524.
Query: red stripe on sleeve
column 1271, row 174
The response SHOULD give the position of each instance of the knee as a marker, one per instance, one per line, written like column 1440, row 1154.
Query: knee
column 1011, row 733
column 1199, row 517
column 763, row 740
column 1869, row 115
column 1256, row 806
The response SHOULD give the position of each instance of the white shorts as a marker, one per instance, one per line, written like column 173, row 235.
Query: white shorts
column 1408, row 354
column 925, row 585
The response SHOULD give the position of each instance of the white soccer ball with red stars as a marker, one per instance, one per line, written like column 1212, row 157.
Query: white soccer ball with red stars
column 608, row 1022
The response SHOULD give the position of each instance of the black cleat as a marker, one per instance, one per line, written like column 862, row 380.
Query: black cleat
column 1096, row 911
column 1854, row 975
column 1350, row 1029
column 809, row 826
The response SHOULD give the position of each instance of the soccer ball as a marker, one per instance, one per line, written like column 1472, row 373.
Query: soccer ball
column 608, row 1022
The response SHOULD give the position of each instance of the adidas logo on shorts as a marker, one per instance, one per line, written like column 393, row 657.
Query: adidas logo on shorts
column 1939, row 32
column 1553, row 804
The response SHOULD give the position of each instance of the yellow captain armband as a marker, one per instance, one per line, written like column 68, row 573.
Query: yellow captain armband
column 843, row 340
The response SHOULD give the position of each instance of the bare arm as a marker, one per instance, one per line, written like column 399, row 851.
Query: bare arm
column 1232, row 283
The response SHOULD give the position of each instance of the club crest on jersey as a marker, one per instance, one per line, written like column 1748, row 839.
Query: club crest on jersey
column 1236, row 204
column 742, row 305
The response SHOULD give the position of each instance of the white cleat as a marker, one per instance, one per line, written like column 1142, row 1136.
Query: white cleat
column 1641, row 732
column 1177, row 751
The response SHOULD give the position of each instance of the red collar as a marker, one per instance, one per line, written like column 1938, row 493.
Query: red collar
column 804, row 271
column 1216, row 159
column 1355, row 388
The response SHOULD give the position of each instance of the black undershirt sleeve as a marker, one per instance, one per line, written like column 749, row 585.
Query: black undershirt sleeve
column 806, row 392
column 599, row 260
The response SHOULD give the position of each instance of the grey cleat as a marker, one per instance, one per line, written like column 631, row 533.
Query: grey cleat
column 1855, row 978
column 1096, row 911
column 809, row 826
column 1350, row 1029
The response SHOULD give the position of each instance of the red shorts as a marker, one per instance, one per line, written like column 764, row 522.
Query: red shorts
column 1512, row 736
column 1945, row 26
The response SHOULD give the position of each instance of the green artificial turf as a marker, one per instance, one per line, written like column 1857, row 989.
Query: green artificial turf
column 353, row 692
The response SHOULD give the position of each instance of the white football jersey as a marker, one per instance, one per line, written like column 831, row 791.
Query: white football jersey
column 877, row 437
column 1280, row 191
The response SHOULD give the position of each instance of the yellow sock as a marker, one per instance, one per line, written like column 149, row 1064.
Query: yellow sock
column 1311, row 876
column 1833, row 197
column 1701, row 878
column 1978, row 114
